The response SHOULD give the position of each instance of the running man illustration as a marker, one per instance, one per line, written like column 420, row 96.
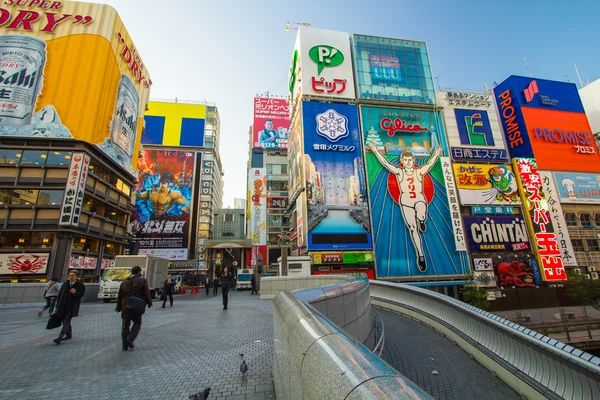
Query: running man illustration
column 412, row 199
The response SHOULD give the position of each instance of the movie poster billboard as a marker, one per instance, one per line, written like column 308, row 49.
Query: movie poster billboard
column 271, row 123
column 336, row 190
column 412, row 226
column 481, row 184
column 52, row 86
column 163, row 202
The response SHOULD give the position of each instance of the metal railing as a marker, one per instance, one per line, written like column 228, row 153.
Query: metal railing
column 534, row 364
column 379, row 331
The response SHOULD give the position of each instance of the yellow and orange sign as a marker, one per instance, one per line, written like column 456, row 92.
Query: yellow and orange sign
column 70, row 70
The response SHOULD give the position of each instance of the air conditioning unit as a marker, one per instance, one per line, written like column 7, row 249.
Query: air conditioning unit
column 594, row 275
column 587, row 276
column 577, row 271
column 591, row 269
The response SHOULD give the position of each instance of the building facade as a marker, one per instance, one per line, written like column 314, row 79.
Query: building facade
column 69, row 145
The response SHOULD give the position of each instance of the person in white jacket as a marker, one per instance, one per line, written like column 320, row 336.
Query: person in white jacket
column 50, row 294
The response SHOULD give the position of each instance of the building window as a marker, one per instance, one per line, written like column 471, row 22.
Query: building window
column 34, row 157
column 571, row 219
column 228, row 217
column 592, row 245
column 10, row 156
column 578, row 245
column 586, row 219
column 597, row 219
column 277, row 169
column 82, row 243
column 58, row 158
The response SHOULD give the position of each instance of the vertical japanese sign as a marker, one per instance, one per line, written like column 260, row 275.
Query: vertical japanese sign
column 558, row 219
column 163, row 202
column 75, row 190
column 457, row 225
column 205, row 204
column 258, row 206
column 271, row 123
column 544, row 240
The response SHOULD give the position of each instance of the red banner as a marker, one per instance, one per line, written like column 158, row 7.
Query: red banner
column 271, row 123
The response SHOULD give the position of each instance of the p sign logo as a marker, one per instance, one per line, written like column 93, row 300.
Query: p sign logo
column 325, row 56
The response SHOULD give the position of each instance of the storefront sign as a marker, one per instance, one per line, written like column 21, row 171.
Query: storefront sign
column 494, row 210
column 558, row 219
column 496, row 234
column 457, row 225
column 352, row 257
column 484, row 279
column 83, row 262
column 578, row 187
column 546, row 244
column 277, row 202
column 271, row 123
column 483, row 264
column 70, row 210
column 328, row 258
column 486, row 184
column 467, row 154
column 19, row 264
column 468, row 99
column 169, row 254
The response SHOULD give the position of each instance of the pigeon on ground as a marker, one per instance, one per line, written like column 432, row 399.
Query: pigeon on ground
column 201, row 395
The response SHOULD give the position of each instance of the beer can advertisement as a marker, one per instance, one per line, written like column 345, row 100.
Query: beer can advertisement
column 69, row 70
column 163, row 201
column 336, row 189
column 271, row 123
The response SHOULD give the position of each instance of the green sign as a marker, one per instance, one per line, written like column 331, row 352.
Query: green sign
column 358, row 257
column 325, row 56
column 293, row 76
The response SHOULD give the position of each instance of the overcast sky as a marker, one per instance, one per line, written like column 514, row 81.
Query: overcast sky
column 228, row 51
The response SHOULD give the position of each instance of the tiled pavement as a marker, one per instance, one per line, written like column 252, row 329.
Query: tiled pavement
column 180, row 351
column 416, row 351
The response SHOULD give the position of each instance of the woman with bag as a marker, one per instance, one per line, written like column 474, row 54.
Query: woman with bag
column 50, row 295
column 134, row 295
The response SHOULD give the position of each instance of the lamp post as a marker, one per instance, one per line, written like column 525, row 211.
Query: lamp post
column 283, row 243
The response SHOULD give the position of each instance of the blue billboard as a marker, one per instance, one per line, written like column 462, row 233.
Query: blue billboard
column 413, row 233
column 336, row 191
column 578, row 187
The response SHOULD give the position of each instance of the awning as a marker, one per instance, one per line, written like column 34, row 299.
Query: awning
column 230, row 244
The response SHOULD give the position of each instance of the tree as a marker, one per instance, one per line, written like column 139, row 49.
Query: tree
column 475, row 296
column 583, row 290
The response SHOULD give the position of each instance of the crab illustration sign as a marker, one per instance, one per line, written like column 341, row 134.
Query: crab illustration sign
column 32, row 263
column 480, row 184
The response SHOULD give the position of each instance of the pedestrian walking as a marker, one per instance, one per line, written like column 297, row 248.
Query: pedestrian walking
column 253, row 284
column 168, row 289
column 207, row 284
column 226, row 282
column 67, row 305
column 132, row 290
column 216, row 286
column 50, row 295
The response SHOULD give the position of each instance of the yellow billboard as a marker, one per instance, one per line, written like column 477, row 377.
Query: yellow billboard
column 482, row 184
column 174, row 124
column 69, row 70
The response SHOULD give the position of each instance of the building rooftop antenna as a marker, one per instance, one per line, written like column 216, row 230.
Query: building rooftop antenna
column 294, row 25
column 528, row 69
column 578, row 76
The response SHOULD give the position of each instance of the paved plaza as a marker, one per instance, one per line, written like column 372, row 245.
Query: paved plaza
column 180, row 351
column 416, row 351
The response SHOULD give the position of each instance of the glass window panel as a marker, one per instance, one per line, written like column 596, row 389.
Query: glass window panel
column 5, row 196
column 24, row 197
column 570, row 219
column 50, row 197
column 586, row 219
column 10, row 156
column 578, row 245
column 384, row 41
column 58, row 158
column 34, row 157
column 412, row 70
column 592, row 245
column 410, row 58
column 414, row 83
column 597, row 219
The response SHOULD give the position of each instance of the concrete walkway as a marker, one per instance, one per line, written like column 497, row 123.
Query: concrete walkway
column 180, row 351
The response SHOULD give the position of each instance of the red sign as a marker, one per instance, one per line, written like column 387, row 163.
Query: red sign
column 551, row 264
column 399, row 125
column 277, row 202
column 271, row 123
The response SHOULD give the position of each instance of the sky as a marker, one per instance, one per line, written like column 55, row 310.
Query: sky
column 228, row 51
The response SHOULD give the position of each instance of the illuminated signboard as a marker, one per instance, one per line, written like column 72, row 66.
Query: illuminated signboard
column 545, row 241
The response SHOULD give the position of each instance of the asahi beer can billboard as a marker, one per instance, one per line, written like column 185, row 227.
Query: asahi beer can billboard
column 51, row 85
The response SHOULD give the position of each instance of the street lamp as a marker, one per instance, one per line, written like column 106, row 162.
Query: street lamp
column 283, row 242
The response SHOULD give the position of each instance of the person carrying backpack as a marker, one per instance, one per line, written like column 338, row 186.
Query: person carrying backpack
column 134, row 295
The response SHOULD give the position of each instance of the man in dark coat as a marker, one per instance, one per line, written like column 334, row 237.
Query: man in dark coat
column 67, row 305
column 253, row 284
column 168, row 290
column 137, row 286
column 226, row 282
column 216, row 286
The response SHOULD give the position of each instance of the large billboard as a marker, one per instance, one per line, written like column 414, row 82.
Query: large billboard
column 69, row 70
column 271, row 123
column 392, row 69
column 545, row 242
column 578, row 187
column 19, row 264
column 174, row 124
column 412, row 227
column 496, row 234
column 257, row 187
column 321, row 65
column 164, row 202
column 472, row 127
column 481, row 184
column 545, row 120
column 295, row 158
column 336, row 191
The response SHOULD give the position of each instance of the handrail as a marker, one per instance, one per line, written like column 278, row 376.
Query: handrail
column 548, row 367
column 378, row 349
column 315, row 359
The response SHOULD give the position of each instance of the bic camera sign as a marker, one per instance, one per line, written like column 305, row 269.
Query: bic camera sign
column 326, row 56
